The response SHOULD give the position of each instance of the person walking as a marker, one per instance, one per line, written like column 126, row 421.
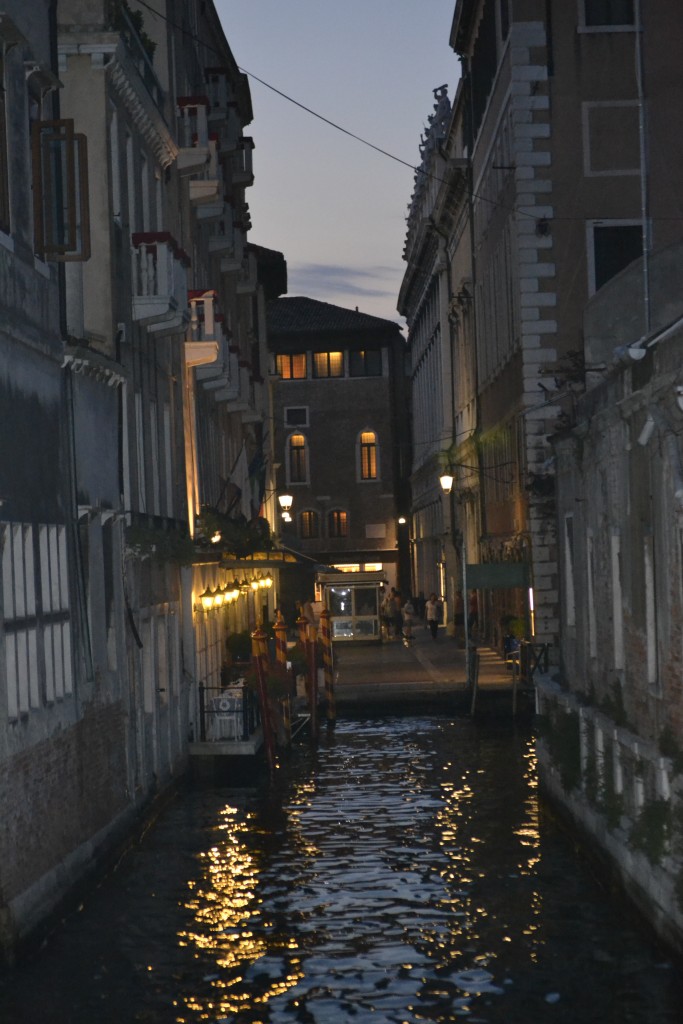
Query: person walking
column 408, row 619
column 387, row 613
column 432, row 614
column 397, row 614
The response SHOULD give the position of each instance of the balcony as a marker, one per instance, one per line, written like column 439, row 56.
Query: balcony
column 193, row 133
column 204, row 339
column 227, row 240
column 159, row 281
column 247, row 276
column 223, row 108
column 140, row 56
column 241, row 163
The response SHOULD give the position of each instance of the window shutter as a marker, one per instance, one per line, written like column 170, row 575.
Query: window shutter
column 60, row 189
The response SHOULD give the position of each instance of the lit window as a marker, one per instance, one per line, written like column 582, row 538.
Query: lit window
column 338, row 523
column 366, row 363
column 291, row 367
column 368, row 455
column 328, row 364
column 308, row 525
column 298, row 459
column 608, row 12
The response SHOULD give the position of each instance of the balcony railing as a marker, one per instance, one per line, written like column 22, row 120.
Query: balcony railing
column 241, row 163
column 140, row 57
column 223, row 114
column 207, row 184
column 193, row 132
column 204, row 324
column 227, row 239
column 247, row 277
column 159, row 281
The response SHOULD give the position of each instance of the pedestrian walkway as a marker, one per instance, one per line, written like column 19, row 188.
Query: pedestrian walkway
column 425, row 672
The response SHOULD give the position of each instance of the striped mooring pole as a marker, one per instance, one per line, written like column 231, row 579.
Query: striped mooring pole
column 280, row 630
column 326, row 641
column 259, row 654
column 312, row 659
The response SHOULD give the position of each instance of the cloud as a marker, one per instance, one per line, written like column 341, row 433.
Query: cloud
column 334, row 280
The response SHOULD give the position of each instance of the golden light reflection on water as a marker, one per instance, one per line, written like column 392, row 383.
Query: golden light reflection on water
column 225, row 905
column 464, row 851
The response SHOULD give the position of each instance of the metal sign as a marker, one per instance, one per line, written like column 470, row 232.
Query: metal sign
column 497, row 575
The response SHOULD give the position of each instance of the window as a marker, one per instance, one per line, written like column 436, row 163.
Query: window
column 613, row 247
column 114, row 156
column 297, row 457
column 368, row 455
column 291, row 367
column 60, row 186
column 328, row 364
column 504, row 19
column 35, row 601
column 296, row 416
column 338, row 523
column 608, row 12
column 650, row 611
column 569, row 592
column 611, row 138
column 309, row 525
column 4, row 166
column 366, row 363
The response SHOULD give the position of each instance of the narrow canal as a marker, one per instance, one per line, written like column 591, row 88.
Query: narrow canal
column 403, row 872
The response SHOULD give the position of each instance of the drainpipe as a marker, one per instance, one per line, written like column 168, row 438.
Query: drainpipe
column 447, row 369
column 644, row 165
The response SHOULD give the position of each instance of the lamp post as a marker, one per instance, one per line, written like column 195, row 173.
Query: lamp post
column 446, row 481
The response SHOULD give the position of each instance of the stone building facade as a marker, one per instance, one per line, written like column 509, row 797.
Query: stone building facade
column 562, row 117
column 612, row 729
column 133, row 354
column 340, row 434
column 551, row 128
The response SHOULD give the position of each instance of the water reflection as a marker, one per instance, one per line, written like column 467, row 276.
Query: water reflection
column 380, row 885
column 403, row 873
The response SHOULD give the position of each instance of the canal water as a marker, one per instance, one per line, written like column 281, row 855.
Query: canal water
column 401, row 872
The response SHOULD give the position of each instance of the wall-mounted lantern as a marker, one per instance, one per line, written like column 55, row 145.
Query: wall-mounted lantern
column 446, row 481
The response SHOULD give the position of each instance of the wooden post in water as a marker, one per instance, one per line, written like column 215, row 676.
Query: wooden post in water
column 302, row 626
column 326, row 640
column 473, row 654
column 280, row 630
column 259, row 650
column 311, row 651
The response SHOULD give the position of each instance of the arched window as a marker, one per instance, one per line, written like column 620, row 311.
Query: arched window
column 367, row 450
column 337, row 523
column 297, row 459
column 309, row 524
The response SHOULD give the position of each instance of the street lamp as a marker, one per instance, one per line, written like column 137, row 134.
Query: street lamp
column 285, row 502
column 446, row 481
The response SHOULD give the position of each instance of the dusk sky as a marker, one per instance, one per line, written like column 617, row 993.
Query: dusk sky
column 335, row 207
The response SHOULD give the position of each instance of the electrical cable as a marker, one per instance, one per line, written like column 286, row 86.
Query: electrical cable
column 333, row 124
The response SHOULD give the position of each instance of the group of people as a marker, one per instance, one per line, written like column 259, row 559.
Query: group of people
column 399, row 616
